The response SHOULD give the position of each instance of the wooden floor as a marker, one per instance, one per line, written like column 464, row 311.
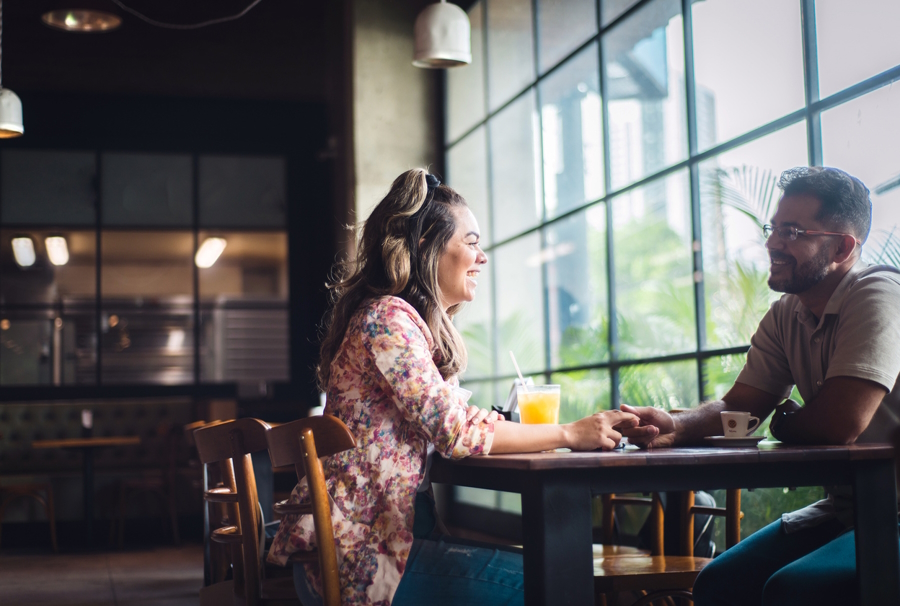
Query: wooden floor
column 161, row 575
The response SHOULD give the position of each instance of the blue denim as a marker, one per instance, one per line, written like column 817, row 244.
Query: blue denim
column 772, row 568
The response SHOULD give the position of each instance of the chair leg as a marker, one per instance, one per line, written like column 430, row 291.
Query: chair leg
column 51, row 517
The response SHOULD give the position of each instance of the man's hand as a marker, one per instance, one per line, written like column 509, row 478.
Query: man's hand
column 656, row 428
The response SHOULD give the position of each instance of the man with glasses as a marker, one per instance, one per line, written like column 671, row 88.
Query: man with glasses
column 836, row 335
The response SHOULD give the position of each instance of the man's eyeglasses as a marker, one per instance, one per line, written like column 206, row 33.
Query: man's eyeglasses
column 792, row 233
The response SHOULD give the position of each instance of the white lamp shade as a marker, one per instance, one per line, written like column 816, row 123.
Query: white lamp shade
column 23, row 251
column 11, row 124
column 443, row 37
column 57, row 250
column 209, row 252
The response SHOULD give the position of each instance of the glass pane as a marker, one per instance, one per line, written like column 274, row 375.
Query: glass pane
column 563, row 26
column 48, row 187
column 511, row 502
column 862, row 137
column 644, row 65
column 242, row 191
column 738, row 194
column 48, row 347
column 856, row 40
column 582, row 393
column 465, row 84
column 610, row 9
column 720, row 374
column 467, row 174
column 520, row 306
column 147, row 189
column 147, row 342
column 654, row 269
column 475, row 496
column 151, row 264
column 482, row 391
column 667, row 386
column 736, row 45
column 474, row 324
column 244, row 342
column 515, row 186
column 44, row 282
column 572, row 134
column 575, row 258
column 510, row 38
column 253, row 267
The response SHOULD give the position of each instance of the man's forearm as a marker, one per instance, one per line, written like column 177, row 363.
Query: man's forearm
column 692, row 426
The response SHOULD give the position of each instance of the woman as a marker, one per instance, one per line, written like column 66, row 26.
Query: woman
column 389, row 363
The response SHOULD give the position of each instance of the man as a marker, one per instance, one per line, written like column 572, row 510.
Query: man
column 836, row 335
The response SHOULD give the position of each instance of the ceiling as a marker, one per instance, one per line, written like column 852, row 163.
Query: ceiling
column 280, row 50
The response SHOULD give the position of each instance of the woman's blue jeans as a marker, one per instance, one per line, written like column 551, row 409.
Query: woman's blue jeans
column 446, row 571
column 772, row 568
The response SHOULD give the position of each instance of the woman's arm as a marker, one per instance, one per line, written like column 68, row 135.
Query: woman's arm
column 598, row 431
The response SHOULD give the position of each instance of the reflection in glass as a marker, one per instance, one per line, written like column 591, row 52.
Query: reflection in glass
column 467, row 174
column 143, row 189
column 666, row 386
column 572, row 134
column 465, row 84
column 474, row 324
column 520, row 306
column 562, row 27
column 253, row 266
column 862, row 137
column 736, row 45
column 146, row 264
column 48, row 347
column 856, row 40
column 48, row 187
column 575, row 258
column 147, row 342
column 242, row 191
column 644, row 70
column 45, row 282
column 245, row 342
column 738, row 195
column 720, row 373
column 653, row 268
column 582, row 393
column 510, row 48
column 515, row 186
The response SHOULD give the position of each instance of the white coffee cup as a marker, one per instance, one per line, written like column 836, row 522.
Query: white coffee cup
column 737, row 424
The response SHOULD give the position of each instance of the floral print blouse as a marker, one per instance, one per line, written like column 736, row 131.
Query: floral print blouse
column 386, row 388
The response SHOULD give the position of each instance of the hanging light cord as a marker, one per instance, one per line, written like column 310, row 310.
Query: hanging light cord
column 1, row 44
column 156, row 23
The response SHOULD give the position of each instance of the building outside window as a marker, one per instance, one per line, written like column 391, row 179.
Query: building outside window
column 621, row 158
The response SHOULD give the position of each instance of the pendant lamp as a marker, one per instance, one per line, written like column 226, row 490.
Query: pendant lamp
column 90, row 16
column 11, row 124
column 443, row 37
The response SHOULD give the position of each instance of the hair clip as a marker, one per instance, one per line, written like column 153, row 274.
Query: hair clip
column 431, row 181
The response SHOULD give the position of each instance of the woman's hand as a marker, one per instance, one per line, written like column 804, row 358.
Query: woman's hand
column 600, row 430
column 476, row 415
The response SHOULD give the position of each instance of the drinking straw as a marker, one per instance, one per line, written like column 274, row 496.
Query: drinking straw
column 519, row 372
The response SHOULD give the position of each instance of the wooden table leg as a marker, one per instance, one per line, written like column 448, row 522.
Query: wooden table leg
column 877, row 543
column 556, row 528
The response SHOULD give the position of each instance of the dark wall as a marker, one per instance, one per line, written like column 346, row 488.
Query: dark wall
column 295, row 129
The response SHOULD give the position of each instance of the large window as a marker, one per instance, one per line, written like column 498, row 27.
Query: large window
column 106, row 276
column 622, row 156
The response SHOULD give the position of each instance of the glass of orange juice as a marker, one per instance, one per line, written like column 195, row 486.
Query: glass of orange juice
column 538, row 404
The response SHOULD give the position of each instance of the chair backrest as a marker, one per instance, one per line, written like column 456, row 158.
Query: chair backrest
column 301, row 443
column 231, row 444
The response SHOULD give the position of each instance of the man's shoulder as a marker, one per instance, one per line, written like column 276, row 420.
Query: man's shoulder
column 883, row 280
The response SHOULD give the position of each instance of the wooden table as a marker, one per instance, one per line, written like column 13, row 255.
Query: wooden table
column 556, row 491
column 87, row 447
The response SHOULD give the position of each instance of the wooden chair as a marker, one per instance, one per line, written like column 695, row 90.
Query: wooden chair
column 230, row 444
column 661, row 576
column 42, row 492
column 301, row 443
column 605, row 545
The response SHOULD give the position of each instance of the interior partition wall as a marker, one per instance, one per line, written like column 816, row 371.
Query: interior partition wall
column 621, row 158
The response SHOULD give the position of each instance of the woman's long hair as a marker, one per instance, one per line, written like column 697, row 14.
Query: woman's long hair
column 391, row 261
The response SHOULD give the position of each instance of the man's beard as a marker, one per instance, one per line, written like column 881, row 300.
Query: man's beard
column 805, row 276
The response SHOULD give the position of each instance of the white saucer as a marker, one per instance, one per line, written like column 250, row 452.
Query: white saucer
column 734, row 442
